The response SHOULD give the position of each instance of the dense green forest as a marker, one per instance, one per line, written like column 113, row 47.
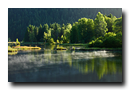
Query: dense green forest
column 67, row 26
column 103, row 31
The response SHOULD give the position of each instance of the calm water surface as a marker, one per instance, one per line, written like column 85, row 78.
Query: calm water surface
column 48, row 65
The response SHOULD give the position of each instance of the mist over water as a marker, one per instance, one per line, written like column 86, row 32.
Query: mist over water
column 59, row 66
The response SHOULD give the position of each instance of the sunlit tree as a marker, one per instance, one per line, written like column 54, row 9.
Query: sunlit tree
column 66, row 33
column 110, row 21
column 82, row 27
column 100, row 25
column 117, row 26
column 89, row 35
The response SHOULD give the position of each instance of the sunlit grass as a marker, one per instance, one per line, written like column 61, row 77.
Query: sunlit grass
column 11, row 49
column 12, row 53
column 27, row 48
column 61, row 48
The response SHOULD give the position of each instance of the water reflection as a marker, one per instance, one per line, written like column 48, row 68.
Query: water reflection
column 101, row 62
column 100, row 66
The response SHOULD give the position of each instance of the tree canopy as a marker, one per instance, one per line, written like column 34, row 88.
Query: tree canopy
column 103, row 31
column 20, row 18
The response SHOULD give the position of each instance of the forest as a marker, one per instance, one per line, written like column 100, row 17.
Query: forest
column 103, row 31
column 20, row 18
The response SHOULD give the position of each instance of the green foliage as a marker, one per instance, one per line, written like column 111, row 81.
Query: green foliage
column 109, row 34
column 96, row 43
column 55, row 31
column 73, row 48
column 117, row 26
column 110, row 21
column 60, row 48
column 45, row 36
column 74, row 33
column 82, row 27
column 64, row 39
column 89, row 34
column 57, row 41
column 110, row 40
column 66, row 34
column 83, row 31
column 17, row 41
column 20, row 18
column 51, row 41
column 119, row 36
column 100, row 25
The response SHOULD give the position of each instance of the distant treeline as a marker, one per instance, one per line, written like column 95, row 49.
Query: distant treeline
column 20, row 18
column 103, row 31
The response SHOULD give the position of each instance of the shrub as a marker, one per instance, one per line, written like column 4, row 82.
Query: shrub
column 57, row 41
column 51, row 41
column 112, row 42
column 109, row 34
column 91, row 44
column 98, row 43
column 73, row 48
column 17, row 42
column 101, row 38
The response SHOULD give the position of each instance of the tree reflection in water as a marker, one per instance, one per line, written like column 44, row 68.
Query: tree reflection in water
column 101, row 62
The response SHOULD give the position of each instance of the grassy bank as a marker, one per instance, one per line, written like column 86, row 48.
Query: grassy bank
column 84, row 48
column 61, row 48
column 12, row 51
column 26, row 48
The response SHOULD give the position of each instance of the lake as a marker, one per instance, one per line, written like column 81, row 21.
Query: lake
column 48, row 65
